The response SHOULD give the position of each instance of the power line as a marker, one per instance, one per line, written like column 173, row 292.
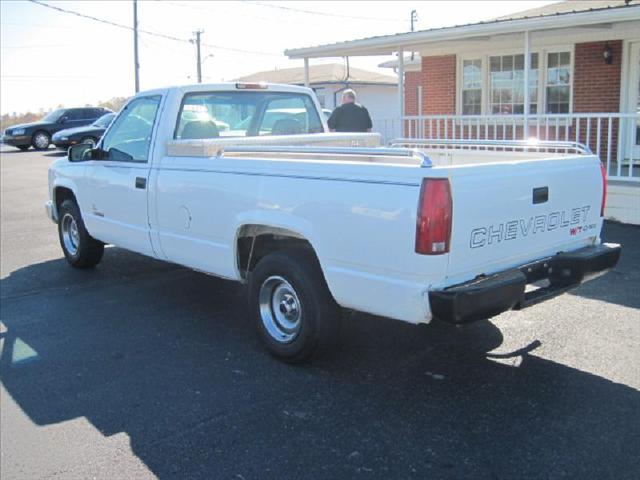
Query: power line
column 328, row 14
column 239, row 50
column 36, row 25
column 51, row 77
column 106, row 22
column 35, row 46
column 147, row 32
column 304, row 23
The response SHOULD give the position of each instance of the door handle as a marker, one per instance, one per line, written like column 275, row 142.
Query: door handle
column 141, row 183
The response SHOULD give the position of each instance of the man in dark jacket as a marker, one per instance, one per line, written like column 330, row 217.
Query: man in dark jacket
column 350, row 116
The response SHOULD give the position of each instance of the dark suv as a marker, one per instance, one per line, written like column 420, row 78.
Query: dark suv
column 38, row 134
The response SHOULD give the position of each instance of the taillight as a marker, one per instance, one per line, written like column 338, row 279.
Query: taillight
column 603, row 171
column 433, row 226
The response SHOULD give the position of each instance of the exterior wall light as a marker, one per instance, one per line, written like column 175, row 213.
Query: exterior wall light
column 607, row 54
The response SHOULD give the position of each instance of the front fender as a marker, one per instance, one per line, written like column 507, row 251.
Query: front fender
column 63, row 175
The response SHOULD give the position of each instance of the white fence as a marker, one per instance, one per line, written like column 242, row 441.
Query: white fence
column 388, row 128
column 613, row 136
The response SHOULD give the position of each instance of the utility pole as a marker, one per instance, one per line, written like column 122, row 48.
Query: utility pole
column 135, row 45
column 197, row 33
column 414, row 19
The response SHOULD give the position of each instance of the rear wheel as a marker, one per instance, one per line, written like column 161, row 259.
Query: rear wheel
column 80, row 249
column 291, row 306
column 41, row 140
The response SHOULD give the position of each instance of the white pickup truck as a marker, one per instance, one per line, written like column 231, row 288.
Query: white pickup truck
column 242, row 181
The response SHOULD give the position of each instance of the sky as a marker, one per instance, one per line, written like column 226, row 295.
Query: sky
column 49, row 58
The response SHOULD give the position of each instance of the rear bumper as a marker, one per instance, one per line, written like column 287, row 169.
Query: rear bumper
column 489, row 296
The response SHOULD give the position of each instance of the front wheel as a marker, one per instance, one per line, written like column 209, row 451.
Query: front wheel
column 80, row 249
column 41, row 140
column 290, row 304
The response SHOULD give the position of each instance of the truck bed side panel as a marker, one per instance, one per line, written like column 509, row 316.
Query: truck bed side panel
column 363, row 231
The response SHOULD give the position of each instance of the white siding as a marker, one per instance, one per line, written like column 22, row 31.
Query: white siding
column 380, row 100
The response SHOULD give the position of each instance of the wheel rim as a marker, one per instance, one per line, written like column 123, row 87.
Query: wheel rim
column 89, row 141
column 70, row 235
column 41, row 140
column 280, row 309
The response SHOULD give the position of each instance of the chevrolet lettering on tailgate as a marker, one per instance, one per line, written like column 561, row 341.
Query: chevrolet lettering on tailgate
column 575, row 218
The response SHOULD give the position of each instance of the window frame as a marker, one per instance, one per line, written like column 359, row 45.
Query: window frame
column 490, row 103
column 253, row 120
column 73, row 112
column 154, row 128
column 484, row 57
column 482, row 82
column 545, row 83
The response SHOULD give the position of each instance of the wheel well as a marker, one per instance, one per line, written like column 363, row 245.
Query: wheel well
column 60, row 194
column 256, row 241
column 38, row 131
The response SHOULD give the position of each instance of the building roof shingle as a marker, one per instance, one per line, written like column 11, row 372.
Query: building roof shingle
column 569, row 6
column 327, row 73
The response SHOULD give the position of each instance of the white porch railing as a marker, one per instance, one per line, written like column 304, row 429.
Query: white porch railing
column 615, row 137
column 388, row 128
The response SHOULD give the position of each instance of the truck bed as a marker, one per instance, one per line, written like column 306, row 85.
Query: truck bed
column 365, row 148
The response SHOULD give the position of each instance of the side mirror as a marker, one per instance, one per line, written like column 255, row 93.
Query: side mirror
column 63, row 119
column 83, row 152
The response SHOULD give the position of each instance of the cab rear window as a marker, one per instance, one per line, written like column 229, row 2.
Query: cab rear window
column 242, row 114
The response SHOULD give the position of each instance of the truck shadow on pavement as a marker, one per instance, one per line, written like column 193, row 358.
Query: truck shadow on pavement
column 168, row 356
column 623, row 282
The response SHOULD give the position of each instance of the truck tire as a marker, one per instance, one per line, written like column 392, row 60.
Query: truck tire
column 290, row 303
column 41, row 140
column 80, row 249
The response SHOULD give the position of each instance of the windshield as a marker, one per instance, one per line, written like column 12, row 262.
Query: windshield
column 53, row 116
column 240, row 114
column 104, row 121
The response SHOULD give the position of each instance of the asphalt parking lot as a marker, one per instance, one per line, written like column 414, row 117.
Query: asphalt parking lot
column 142, row 369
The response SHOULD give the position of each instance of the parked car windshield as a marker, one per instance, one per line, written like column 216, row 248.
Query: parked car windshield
column 54, row 116
column 104, row 121
column 239, row 114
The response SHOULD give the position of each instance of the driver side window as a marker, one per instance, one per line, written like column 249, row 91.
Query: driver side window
column 129, row 138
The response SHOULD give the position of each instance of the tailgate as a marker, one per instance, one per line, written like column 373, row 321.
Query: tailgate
column 508, row 214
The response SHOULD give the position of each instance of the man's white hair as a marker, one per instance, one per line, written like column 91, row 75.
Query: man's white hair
column 349, row 93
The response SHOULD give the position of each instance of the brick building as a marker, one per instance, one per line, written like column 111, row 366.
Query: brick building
column 471, row 81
